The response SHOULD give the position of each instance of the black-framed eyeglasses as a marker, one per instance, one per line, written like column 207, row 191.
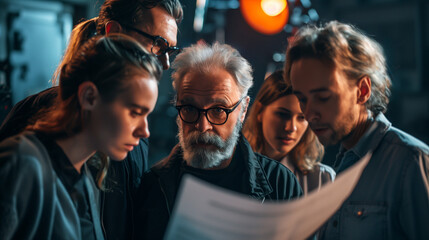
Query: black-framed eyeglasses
column 160, row 45
column 215, row 115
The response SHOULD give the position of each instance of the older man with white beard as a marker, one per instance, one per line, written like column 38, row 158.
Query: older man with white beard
column 211, row 84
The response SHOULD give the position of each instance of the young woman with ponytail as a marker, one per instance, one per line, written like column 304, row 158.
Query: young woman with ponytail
column 156, row 18
column 107, row 90
column 153, row 23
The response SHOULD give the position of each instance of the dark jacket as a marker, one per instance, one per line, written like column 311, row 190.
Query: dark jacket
column 264, row 179
column 122, row 179
column 24, row 112
column 34, row 202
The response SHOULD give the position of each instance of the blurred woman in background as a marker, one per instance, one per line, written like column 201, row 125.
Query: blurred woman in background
column 276, row 127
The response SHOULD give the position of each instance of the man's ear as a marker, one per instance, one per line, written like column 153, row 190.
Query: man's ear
column 113, row 27
column 364, row 90
column 88, row 95
column 246, row 106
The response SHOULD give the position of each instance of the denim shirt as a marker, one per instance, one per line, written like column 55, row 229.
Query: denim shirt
column 391, row 199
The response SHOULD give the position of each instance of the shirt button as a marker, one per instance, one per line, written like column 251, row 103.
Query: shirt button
column 335, row 223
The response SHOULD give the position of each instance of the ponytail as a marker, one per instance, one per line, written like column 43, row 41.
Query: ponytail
column 80, row 34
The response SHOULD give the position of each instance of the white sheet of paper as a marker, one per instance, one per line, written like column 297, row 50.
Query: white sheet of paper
column 205, row 211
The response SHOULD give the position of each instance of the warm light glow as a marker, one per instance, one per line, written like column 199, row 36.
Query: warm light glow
column 258, row 19
column 273, row 7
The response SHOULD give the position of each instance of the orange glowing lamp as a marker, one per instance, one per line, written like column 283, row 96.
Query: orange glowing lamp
column 265, row 16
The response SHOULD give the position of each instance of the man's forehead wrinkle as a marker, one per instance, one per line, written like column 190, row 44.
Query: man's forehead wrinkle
column 192, row 93
column 202, row 92
column 219, row 84
column 191, row 100
column 188, row 86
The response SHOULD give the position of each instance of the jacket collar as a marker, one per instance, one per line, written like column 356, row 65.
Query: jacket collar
column 367, row 143
column 372, row 137
column 258, row 181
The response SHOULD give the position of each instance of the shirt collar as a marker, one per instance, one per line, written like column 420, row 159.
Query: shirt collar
column 369, row 140
column 372, row 137
column 60, row 162
column 288, row 163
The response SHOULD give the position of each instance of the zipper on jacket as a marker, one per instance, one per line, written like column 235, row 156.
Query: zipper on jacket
column 130, row 195
column 165, row 197
column 102, row 197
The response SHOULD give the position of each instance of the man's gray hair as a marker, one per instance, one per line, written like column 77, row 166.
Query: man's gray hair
column 206, row 58
column 348, row 49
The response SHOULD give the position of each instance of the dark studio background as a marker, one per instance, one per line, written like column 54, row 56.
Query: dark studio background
column 33, row 35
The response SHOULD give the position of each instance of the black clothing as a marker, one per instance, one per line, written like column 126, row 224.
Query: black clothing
column 24, row 112
column 122, row 179
column 261, row 178
column 230, row 177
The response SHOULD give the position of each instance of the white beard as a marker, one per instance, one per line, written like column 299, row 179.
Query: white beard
column 204, row 158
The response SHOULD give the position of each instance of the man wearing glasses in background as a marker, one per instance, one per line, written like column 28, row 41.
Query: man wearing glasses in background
column 156, row 31
column 154, row 25
column 211, row 84
column 160, row 37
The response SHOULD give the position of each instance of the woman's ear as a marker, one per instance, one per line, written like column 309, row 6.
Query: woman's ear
column 88, row 95
column 113, row 27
